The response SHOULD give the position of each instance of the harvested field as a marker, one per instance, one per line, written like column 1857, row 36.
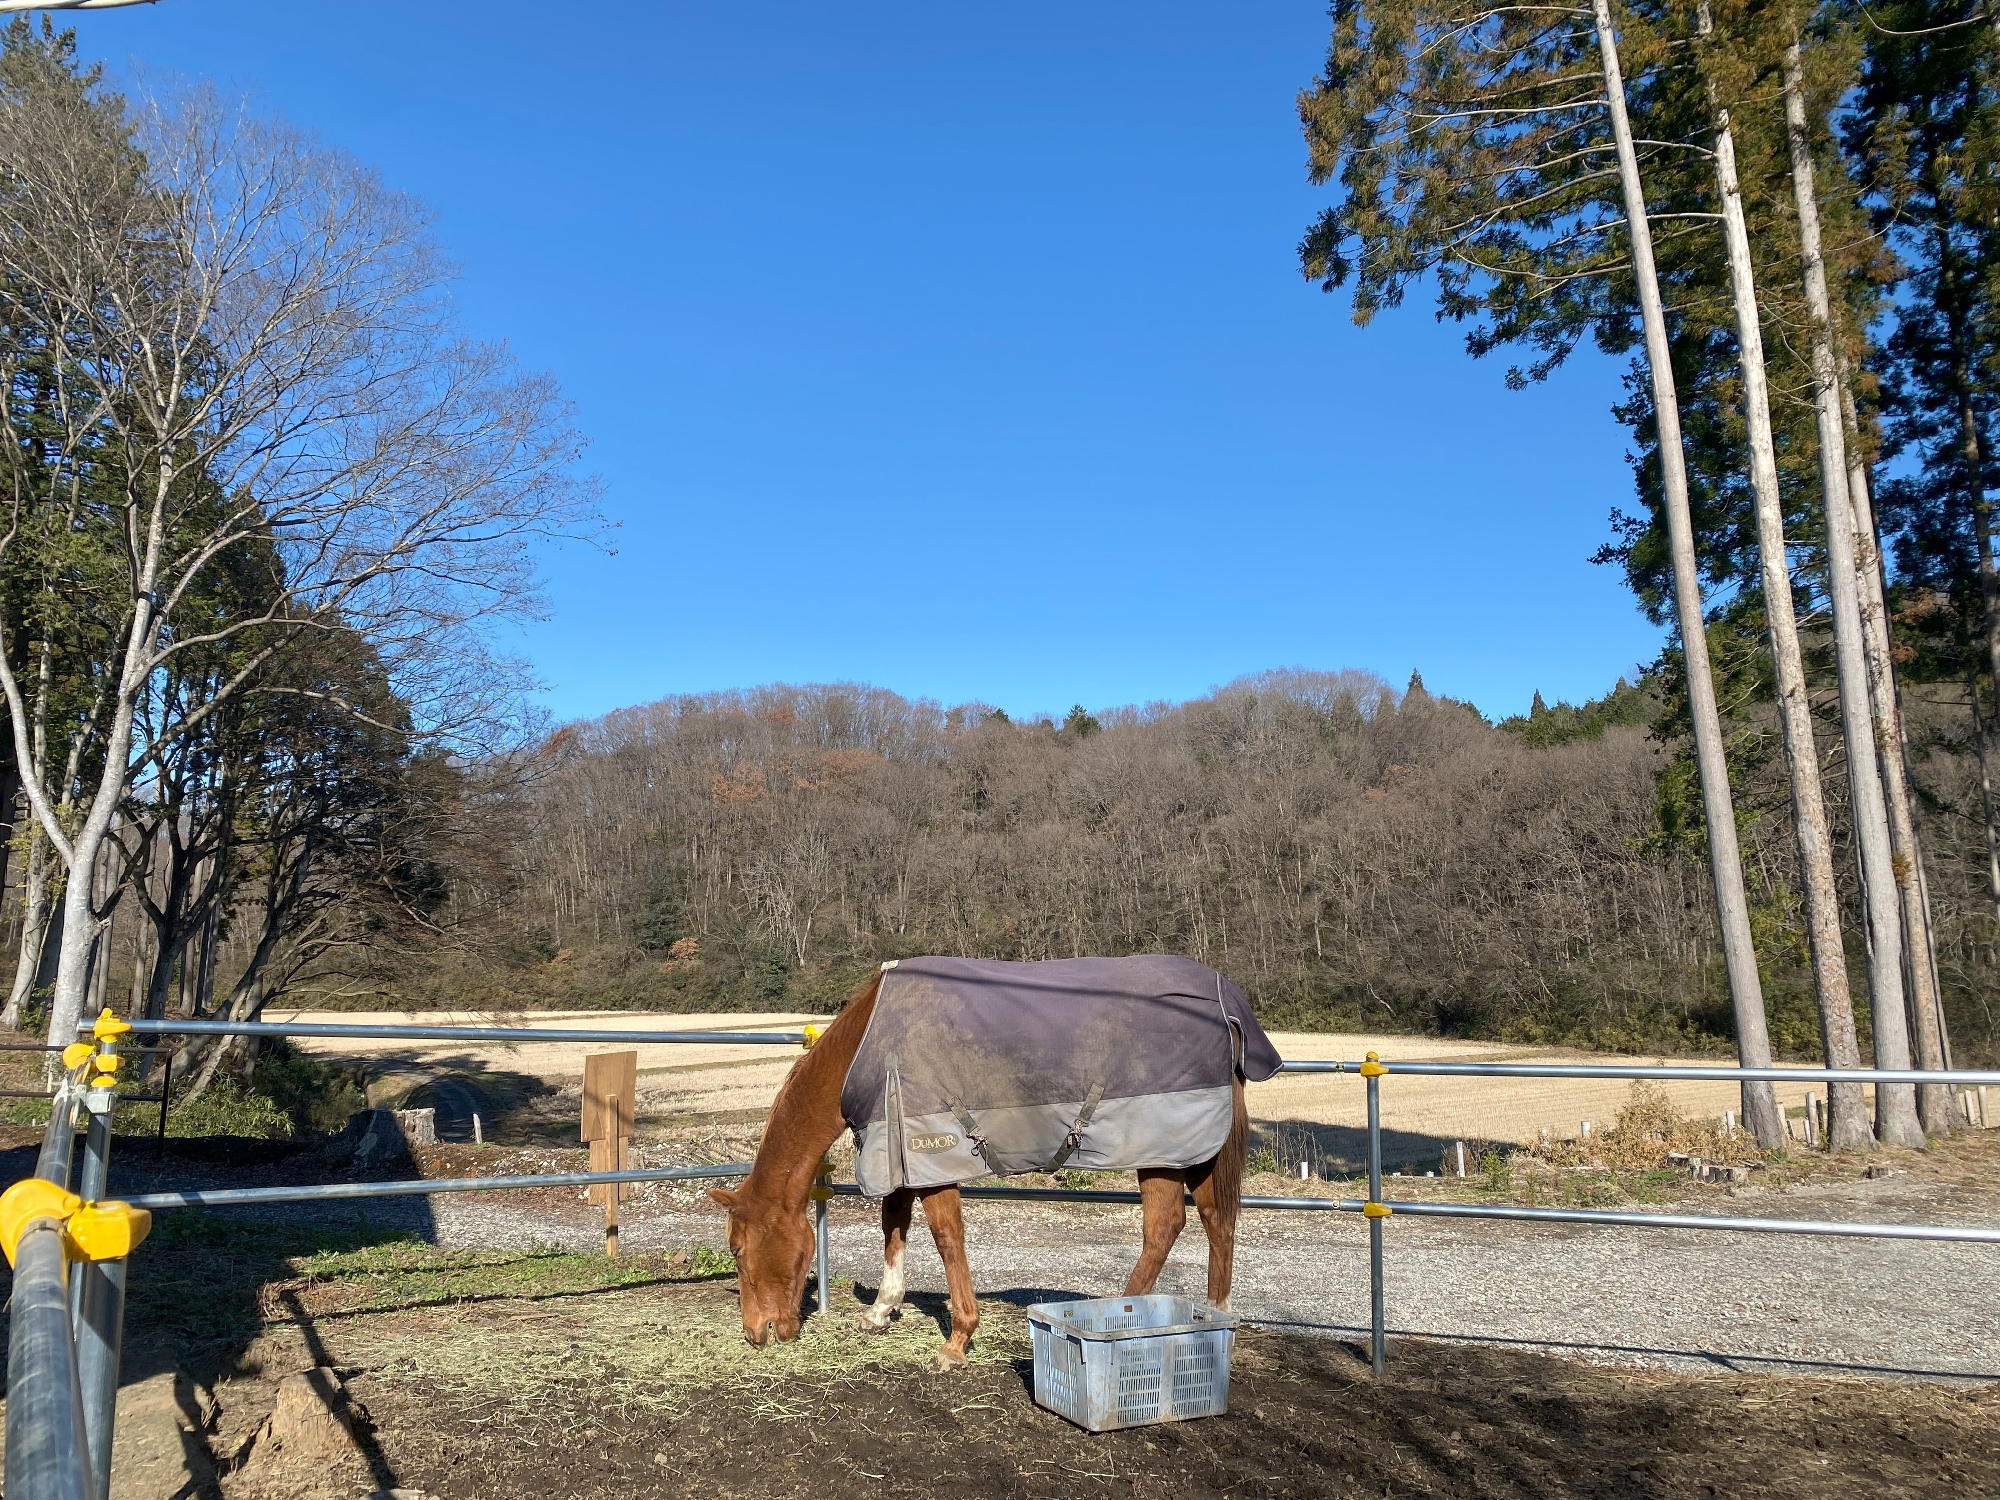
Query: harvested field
column 692, row 1082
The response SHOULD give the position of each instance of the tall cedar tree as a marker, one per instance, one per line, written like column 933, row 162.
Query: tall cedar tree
column 1923, row 135
column 1477, row 145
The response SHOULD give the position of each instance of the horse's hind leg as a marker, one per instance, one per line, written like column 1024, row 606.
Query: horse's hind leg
column 945, row 1213
column 1160, row 1192
column 1218, row 1196
column 896, row 1211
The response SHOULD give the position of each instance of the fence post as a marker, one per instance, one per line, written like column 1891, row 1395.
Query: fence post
column 166, row 1093
column 45, row 1446
column 1376, row 1212
column 99, row 1295
column 59, row 1140
column 821, row 1192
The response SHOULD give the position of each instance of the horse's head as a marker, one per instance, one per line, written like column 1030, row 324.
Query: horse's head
column 773, row 1247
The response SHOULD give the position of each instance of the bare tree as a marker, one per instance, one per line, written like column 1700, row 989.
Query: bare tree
column 252, row 355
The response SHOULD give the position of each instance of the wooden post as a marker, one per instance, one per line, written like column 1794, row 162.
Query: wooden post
column 610, row 1086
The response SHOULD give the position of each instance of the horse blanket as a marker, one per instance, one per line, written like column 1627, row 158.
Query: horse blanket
column 974, row 1067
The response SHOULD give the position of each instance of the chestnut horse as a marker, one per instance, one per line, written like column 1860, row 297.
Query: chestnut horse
column 773, row 1242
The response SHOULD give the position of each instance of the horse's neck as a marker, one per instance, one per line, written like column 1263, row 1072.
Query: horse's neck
column 805, row 1118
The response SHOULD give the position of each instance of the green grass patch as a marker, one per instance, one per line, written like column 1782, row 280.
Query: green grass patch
column 405, row 1274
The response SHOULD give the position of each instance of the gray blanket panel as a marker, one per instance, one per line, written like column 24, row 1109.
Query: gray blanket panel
column 972, row 1067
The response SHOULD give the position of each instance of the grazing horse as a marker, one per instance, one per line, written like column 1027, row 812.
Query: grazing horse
column 772, row 1240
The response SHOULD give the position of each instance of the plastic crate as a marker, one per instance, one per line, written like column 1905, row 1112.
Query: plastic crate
column 1113, row 1362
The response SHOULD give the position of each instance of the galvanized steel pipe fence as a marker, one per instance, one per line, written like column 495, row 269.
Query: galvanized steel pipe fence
column 69, row 1249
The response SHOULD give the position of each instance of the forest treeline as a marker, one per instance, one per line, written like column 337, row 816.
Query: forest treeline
column 1352, row 855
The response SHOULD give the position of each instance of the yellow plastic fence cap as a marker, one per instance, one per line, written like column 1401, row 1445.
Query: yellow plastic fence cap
column 108, row 1230
column 30, row 1199
column 812, row 1034
column 107, row 1025
column 76, row 1054
column 1376, row 1210
column 106, row 1062
column 1372, row 1067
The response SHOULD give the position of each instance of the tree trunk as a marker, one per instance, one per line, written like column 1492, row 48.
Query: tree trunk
column 10, row 791
column 1753, row 1039
column 1895, row 1103
column 104, row 888
column 195, row 997
column 254, row 987
column 1934, row 1100
column 79, row 915
column 1847, row 1119
column 1984, row 752
column 34, row 926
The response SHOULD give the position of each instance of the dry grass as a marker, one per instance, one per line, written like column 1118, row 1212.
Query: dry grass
column 1648, row 1129
column 1516, row 1110
column 507, row 1340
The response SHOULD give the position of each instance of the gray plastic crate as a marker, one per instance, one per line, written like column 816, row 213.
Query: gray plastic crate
column 1128, row 1361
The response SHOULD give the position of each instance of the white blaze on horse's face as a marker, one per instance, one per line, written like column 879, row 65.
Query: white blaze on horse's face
column 772, row 1250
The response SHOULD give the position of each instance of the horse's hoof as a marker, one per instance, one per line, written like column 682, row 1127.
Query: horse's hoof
column 948, row 1360
column 871, row 1325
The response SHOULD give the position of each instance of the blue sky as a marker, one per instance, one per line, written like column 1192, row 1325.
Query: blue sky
column 959, row 350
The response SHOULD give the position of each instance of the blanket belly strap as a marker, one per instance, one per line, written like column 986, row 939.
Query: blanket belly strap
column 898, row 1166
column 1075, row 1136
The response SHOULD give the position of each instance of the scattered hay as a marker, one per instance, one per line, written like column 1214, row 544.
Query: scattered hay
column 658, row 1351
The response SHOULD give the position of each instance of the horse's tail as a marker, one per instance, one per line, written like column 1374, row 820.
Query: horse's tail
column 1227, row 1172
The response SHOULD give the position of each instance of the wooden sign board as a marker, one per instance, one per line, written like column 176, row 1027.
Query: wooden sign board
column 609, row 1075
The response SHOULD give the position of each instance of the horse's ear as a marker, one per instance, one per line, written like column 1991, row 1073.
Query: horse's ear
column 725, row 1196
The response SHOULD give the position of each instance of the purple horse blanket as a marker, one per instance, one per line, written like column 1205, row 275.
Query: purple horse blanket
column 975, row 1067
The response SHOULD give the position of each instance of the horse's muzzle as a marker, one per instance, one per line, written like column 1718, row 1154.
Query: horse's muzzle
column 771, row 1331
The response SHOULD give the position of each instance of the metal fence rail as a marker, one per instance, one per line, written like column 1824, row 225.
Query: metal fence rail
column 422, row 1186
column 1692, row 1073
column 366, row 1030
column 68, row 1305
column 1422, row 1209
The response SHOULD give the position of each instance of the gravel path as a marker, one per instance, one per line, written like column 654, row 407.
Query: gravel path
column 1692, row 1300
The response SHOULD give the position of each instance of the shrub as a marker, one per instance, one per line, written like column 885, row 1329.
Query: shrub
column 316, row 1097
column 226, row 1107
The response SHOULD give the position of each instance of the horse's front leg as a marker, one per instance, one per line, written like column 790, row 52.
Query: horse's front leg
column 944, row 1211
column 896, row 1212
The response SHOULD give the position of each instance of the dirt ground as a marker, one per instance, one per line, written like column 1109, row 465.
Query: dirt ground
column 467, row 1375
